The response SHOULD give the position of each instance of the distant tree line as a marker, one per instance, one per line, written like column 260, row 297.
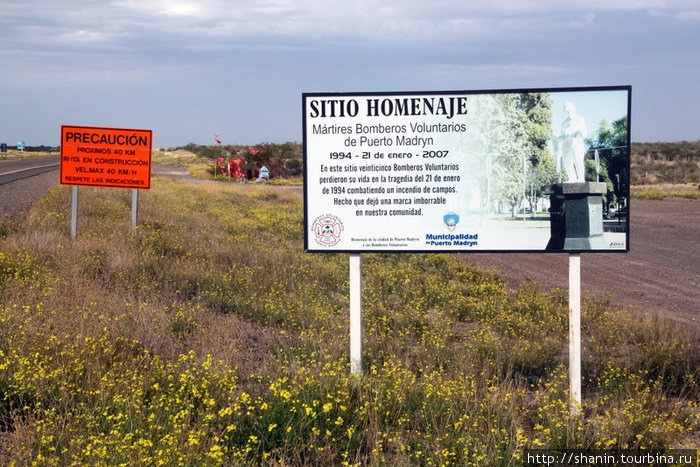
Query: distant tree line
column 42, row 148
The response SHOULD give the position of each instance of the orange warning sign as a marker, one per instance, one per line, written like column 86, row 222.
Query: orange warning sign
column 113, row 157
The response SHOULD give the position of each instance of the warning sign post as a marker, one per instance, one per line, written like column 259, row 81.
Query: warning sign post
column 108, row 157
column 105, row 157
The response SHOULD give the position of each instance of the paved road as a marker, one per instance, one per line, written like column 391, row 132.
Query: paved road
column 176, row 173
column 16, row 169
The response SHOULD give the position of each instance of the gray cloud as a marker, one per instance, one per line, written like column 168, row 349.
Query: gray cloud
column 232, row 65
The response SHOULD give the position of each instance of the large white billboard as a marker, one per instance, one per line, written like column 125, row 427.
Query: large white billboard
column 507, row 171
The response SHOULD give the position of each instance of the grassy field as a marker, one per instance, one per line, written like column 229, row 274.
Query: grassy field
column 208, row 337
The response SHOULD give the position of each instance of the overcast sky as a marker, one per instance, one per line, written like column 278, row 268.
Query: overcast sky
column 190, row 69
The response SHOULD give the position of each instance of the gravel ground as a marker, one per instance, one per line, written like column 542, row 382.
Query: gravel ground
column 660, row 274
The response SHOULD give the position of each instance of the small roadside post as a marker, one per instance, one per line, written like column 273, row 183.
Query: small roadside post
column 134, row 209
column 575, row 334
column 355, row 314
column 74, row 214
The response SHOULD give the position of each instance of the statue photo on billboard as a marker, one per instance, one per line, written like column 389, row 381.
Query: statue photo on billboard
column 576, row 212
column 569, row 145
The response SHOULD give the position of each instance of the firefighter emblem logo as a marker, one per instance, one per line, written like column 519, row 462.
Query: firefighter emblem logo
column 327, row 230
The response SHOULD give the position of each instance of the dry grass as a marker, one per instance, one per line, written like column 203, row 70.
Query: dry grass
column 674, row 163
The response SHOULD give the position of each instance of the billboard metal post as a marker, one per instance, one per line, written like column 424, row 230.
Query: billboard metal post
column 355, row 314
column 74, row 213
column 575, row 334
